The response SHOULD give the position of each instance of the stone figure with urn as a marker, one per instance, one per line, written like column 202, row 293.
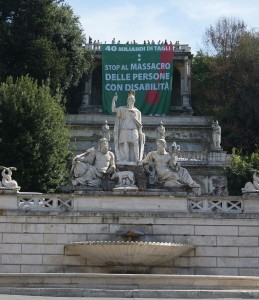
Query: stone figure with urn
column 89, row 168
column 164, row 169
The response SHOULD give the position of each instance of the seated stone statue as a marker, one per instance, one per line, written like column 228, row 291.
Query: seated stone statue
column 89, row 167
column 163, row 167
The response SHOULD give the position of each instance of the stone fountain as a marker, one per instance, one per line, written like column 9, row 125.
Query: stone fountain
column 129, row 171
column 124, row 183
column 131, row 256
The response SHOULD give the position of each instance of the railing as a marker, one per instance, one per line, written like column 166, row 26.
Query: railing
column 216, row 205
column 203, row 157
column 177, row 48
column 65, row 202
column 46, row 202
column 193, row 157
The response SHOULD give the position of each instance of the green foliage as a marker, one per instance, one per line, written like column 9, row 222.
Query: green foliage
column 44, row 39
column 35, row 139
column 225, row 83
column 240, row 170
column 202, row 70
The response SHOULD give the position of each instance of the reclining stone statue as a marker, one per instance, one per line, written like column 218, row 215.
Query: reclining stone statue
column 89, row 167
column 164, row 168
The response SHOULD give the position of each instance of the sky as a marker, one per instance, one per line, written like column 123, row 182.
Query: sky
column 175, row 20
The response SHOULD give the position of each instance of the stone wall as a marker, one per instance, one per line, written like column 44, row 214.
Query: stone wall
column 193, row 133
column 35, row 229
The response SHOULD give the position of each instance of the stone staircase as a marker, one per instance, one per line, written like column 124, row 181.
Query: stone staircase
column 129, row 285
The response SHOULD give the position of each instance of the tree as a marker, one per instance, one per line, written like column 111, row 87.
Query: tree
column 44, row 39
column 35, row 140
column 222, row 39
column 240, row 170
column 228, row 89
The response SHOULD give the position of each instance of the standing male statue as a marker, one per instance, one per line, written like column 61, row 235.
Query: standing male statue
column 129, row 139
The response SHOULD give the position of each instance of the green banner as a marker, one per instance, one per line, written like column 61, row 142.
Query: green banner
column 146, row 69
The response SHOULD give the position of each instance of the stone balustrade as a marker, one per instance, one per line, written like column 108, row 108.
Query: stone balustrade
column 194, row 157
column 136, row 201
column 46, row 202
column 177, row 48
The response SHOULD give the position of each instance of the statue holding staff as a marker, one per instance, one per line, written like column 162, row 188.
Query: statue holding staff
column 129, row 139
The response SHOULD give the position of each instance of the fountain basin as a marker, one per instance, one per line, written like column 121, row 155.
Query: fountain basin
column 129, row 253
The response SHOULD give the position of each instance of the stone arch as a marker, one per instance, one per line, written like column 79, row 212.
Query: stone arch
column 96, row 86
column 176, row 99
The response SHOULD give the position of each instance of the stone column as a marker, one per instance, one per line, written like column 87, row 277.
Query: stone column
column 186, row 92
column 1, row 122
column 186, row 74
column 87, row 93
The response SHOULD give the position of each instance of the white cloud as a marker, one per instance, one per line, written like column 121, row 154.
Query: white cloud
column 184, row 20
column 210, row 9
column 126, row 22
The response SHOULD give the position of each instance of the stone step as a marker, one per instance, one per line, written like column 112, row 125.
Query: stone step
column 129, row 285
column 128, row 281
column 134, row 293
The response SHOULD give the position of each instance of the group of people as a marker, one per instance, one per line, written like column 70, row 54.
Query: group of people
column 96, row 43
column 161, row 165
column 145, row 42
